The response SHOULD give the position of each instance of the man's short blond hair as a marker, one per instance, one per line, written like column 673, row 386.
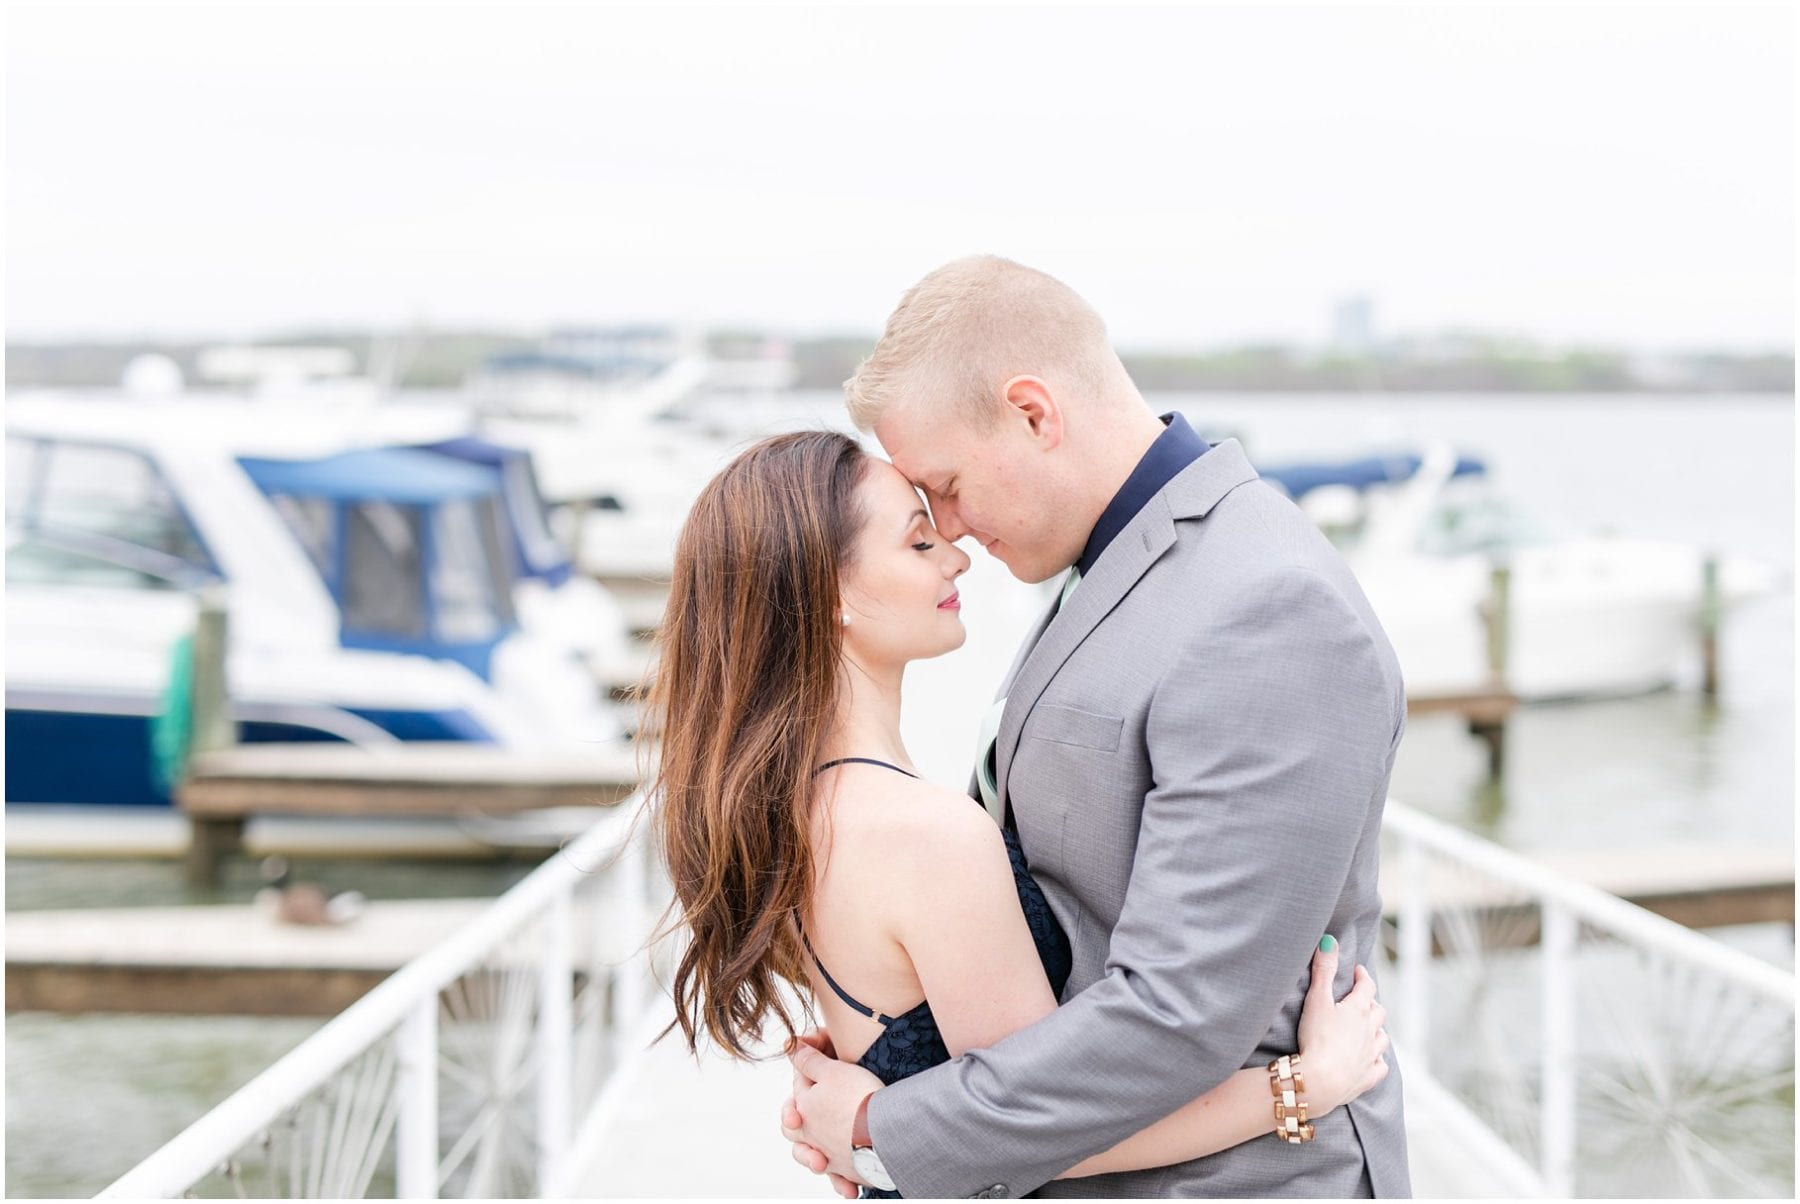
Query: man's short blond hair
column 971, row 325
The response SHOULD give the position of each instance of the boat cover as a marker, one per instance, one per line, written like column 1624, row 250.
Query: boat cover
column 1301, row 479
column 403, row 475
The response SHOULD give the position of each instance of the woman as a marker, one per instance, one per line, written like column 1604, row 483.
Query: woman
column 797, row 835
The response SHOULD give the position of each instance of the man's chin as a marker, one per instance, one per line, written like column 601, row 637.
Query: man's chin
column 1003, row 554
column 1030, row 574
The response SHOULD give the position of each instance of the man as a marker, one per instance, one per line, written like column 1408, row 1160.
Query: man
column 1194, row 745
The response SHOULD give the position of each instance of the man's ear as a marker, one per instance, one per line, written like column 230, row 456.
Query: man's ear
column 1030, row 399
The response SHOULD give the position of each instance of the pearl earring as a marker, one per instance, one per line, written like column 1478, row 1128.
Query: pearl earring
column 846, row 618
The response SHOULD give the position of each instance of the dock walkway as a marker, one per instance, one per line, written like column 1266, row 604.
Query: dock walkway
column 677, row 1106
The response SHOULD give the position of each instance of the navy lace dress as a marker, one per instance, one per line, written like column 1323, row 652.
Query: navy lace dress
column 910, row 1042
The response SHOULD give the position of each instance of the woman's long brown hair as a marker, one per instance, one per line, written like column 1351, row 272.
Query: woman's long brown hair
column 743, row 695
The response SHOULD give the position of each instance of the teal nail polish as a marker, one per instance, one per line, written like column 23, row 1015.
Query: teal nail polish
column 1328, row 944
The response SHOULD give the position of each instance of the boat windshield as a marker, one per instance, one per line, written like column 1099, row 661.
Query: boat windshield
column 538, row 545
column 1471, row 517
column 437, row 573
column 382, row 560
column 470, row 587
column 95, row 514
column 313, row 520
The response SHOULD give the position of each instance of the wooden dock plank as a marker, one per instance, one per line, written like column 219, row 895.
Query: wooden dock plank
column 417, row 777
column 235, row 959
column 226, row 786
column 1480, row 706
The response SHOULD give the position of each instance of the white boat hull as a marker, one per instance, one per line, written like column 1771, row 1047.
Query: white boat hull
column 1586, row 618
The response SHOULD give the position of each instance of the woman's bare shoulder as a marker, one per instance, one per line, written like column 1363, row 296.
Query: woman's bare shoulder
column 901, row 820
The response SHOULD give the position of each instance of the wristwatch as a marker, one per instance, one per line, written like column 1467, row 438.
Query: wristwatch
column 863, row 1158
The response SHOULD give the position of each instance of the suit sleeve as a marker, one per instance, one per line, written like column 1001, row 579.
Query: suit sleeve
column 1268, row 744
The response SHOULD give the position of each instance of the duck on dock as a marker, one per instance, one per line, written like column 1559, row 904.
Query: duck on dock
column 290, row 902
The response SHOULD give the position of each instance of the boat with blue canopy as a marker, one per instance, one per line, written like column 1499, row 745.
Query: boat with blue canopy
column 374, row 591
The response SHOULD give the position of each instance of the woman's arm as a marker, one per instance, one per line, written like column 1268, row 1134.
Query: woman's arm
column 980, row 970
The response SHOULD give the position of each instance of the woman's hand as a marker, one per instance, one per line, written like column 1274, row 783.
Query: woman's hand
column 1342, row 1041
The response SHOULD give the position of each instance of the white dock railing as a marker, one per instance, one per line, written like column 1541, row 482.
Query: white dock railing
column 1569, row 1042
column 1595, row 1048
column 464, row 1074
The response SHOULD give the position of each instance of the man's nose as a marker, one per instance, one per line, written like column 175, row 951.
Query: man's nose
column 948, row 522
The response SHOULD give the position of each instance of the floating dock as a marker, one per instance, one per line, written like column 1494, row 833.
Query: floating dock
column 224, row 788
column 1695, row 886
column 233, row 959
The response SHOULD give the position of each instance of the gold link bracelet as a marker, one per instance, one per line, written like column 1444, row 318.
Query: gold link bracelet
column 1287, row 1086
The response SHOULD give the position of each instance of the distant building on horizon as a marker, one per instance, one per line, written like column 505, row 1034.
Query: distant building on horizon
column 1353, row 325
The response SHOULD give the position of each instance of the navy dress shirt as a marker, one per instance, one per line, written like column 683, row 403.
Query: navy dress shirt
column 1176, row 448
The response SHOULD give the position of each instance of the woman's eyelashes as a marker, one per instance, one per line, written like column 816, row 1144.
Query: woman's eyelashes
column 922, row 546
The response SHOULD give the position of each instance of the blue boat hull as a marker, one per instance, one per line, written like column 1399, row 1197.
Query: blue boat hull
column 79, row 757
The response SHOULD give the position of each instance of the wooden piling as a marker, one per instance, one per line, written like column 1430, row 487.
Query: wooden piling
column 211, row 839
column 1496, row 614
column 214, row 727
column 1711, row 606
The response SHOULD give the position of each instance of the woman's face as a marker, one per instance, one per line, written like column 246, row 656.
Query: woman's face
column 900, row 594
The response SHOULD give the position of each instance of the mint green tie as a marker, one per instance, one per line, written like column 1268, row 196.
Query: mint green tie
column 987, row 766
column 1068, row 588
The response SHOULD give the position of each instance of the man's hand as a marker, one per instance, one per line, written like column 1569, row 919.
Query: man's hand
column 807, row 1156
column 818, row 1117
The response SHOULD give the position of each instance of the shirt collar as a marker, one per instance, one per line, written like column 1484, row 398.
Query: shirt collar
column 1176, row 448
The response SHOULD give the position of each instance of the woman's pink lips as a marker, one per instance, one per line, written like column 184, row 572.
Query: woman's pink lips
column 953, row 602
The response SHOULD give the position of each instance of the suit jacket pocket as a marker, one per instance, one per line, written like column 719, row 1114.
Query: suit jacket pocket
column 1064, row 783
column 1067, row 725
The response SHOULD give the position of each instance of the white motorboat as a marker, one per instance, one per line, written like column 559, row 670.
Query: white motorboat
column 1586, row 616
column 624, row 426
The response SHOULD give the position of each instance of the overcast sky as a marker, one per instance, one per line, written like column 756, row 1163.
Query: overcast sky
column 1203, row 175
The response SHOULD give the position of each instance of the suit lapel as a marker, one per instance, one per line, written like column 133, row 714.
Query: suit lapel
column 1130, row 555
column 1191, row 494
column 1026, row 647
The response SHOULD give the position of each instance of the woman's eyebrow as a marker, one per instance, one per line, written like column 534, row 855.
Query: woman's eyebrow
column 914, row 517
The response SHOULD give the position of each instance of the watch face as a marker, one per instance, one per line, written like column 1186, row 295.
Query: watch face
column 867, row 1163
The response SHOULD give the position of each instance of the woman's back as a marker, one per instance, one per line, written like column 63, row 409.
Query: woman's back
column 881, row 833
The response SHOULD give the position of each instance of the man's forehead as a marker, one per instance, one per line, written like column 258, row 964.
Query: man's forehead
column 922, row 456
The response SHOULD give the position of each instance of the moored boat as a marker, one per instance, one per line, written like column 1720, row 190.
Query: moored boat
column 1586, row 615
column 371, row 590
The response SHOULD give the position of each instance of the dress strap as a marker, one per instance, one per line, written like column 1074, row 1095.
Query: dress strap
column 870, row 1012
column 860, row 761
column 849, row 999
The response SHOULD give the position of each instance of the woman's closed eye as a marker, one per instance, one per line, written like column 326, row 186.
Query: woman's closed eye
column 922, row 546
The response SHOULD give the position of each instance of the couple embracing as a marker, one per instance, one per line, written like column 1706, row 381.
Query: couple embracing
column 1128, row 960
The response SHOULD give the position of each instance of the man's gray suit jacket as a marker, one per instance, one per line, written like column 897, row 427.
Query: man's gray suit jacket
column 1196, row 749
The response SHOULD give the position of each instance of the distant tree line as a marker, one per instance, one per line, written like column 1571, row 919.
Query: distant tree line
column 1459, row 363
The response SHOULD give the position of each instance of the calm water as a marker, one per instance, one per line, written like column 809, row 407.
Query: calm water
column 88, row 1096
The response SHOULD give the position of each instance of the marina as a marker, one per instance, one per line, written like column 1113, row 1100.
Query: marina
column 338, row 807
